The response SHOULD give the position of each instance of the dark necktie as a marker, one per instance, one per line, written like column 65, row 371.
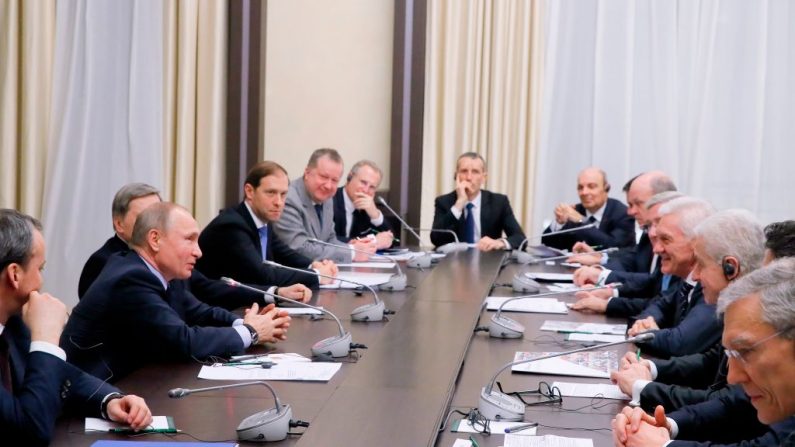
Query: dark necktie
column 263, row 241
column 5, row 363
column 319, row 211
column 469, row 225
column 591, row 220
column 682, row 303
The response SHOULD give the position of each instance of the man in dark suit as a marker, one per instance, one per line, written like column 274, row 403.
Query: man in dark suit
column 36, row 383
column 237, row 241
column 475, row 214
column 355, row 212
column 682, row 321
column 139, row 310
column 128, row 202
column 614, row 228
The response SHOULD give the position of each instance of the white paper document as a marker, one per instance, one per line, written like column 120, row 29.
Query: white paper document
column 532, row 305
column 545, row 441
column 604, row 390
column 293, row 311
column 159, row 424
column 370, row 279
column 462, row 443
column 582, row 364
column 588, row 328
column 297, row 371
column 369, row 265
column 405, row 256
column 283, row 357
column 561, row 286
column 554, row 277
column 601, row 338
column 496, row 427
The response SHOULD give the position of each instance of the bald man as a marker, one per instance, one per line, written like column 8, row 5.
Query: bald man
column 613, row 226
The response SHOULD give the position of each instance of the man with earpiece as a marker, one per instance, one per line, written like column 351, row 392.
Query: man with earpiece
column 476, row 215
column 614, row 227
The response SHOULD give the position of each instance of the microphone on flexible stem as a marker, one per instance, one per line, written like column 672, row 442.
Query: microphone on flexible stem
column 451, row 247
column 396, row 282
column 496, row 405
column 336, row 346
column 421, row 262
column 535, row 260
column 504, row 327
column 267, row 425
column 522, row 257
column 369, row 312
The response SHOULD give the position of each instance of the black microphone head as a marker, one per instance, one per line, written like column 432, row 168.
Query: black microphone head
column 176, row 393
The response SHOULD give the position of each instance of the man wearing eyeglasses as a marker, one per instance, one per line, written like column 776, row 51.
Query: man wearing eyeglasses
column 759, row 340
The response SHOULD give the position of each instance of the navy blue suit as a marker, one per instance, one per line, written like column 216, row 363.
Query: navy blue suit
column 627, row 307
column 361, row 225
column 127, row 319
column 42, row 385
column 631, row 267
column 496, row 217
column 616, row 229
column 231, row 247
column 685, row 328
column 212, row 292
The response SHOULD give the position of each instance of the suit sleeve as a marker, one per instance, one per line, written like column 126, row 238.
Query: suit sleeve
column 198, row 313
column 87, row 392
column 217, row 293
column 696, row 370
column 513, row 231
column 291, row 229
column 626, row 307
column 28, row 417
column 699, row 330
column 443, row 219
column 637, row 284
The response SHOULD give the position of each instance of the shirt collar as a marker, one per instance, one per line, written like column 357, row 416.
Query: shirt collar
column 2, row 328
column 476, row 200
column 155, row 272
column 349, row 208
column 598, row 214
column 257, row 221
column 690, row 279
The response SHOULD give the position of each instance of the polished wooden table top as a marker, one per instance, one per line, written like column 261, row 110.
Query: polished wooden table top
column 420, row 364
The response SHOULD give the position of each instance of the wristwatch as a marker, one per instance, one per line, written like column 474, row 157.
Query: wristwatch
column 254, row 333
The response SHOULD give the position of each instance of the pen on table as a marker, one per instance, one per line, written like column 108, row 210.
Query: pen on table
column 516, row 428
column 472, row 440
column 265, row 364
column 145, row 430
column 638, row 355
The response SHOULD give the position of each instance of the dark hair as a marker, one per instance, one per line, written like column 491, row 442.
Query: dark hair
column 128, row 193
column 263, row 169
column 628, row 184
column 323, row 152
column 16, row 237
column 780, row 238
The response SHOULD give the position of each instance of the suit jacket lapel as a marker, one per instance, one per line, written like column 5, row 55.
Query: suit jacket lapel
column 18, row 343
column 252, row 227
column 485, row 212
column 340, row 216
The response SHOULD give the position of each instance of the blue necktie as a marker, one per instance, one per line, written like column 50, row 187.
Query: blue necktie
column 666, row 281
column 469, row 225
column 263, row 241
column 319, row 211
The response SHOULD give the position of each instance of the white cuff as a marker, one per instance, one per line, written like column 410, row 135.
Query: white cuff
column 555, row 226
column 378, row 220
column 456, row 212
column 652, row 369
column 244, row 333
column 674, row 428
column 603, row 277
column 49, row 348
column 603, row 260
column 637, row 388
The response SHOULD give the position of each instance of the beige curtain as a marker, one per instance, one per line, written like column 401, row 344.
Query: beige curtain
column 27, row 37
column 194, row 96
column 482, row 92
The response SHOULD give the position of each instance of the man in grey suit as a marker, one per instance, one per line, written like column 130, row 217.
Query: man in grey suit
column 309, row 212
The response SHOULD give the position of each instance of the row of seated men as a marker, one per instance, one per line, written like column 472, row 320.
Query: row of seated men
column 143, row 279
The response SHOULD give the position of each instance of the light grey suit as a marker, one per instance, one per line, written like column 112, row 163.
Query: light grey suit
column 299, row 222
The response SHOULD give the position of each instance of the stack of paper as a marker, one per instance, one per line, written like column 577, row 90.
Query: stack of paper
column 600, row 338
column 581, row 364
column 369, row 265
column 298, row 371
column 604, row 390
column 591, row 328
column 160, row 424
column 496, row 427
column 518, row 440
column 370, row 279
column 532, row 305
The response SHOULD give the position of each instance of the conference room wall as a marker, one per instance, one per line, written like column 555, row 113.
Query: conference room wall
column 327, row 81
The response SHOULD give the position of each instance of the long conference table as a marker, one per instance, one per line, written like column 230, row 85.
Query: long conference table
column 425, row 361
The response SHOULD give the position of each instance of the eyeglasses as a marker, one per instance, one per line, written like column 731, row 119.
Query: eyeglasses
column 549, row 394
column 743, row 353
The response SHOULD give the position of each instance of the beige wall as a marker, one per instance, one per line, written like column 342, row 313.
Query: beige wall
column 328, row 81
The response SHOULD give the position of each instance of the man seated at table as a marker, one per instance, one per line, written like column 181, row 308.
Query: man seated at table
column 759, row 336
column 683, row 323
column 309, row 213
column 614, row 227
column 37, row 383
column 727, row 245
column 128, row 202
column 355, row 213
column 139, row 310
column 633, row 266
column 476, row 215
column 235, row 243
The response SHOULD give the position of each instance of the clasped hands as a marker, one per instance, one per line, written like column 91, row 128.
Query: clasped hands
column 566, row 213
column 270, row 322
column 633, row 427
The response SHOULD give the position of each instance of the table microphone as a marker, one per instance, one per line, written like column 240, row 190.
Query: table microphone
column 496, row 405
column 505, row 327
column 336, row 346
column 421, row 262
column 396, row 282
column 266, row 425
column 535, row 260
column 369, row 312
column 450, row 247
column 522, row 257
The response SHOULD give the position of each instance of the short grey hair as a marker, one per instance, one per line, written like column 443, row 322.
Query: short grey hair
column 16, row 237
column 662, row 197
column 332, row 154
column 733, row 232
column 128, row 193
column 474, row 156
column 370, row 164
column 690, row 210
column 775, row 285
column 661, row 183
column 155, row 217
